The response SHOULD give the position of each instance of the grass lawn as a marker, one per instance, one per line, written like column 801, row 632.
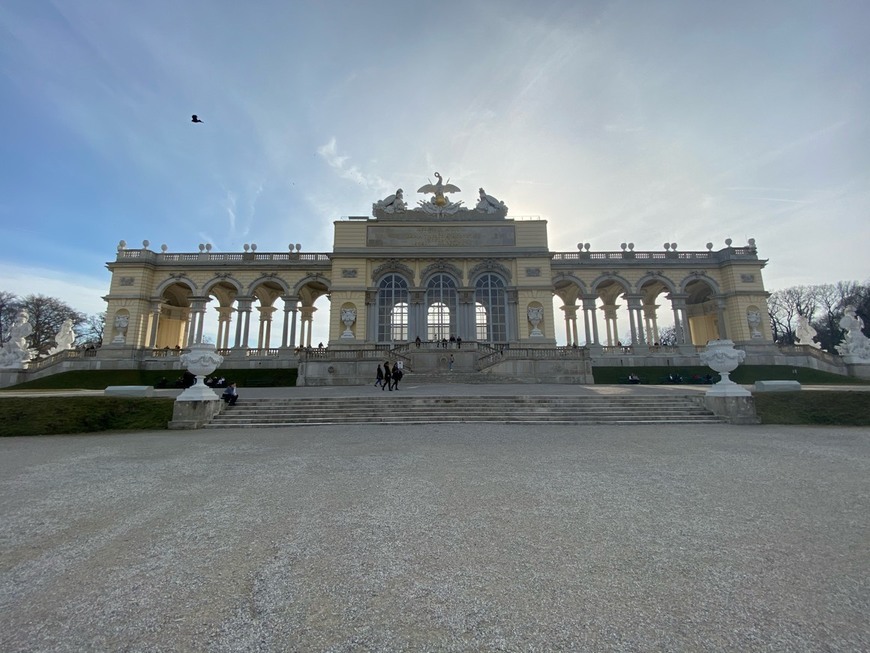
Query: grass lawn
column 823, row 407
column 101, row 379
column 745, row 374
column 63, row 415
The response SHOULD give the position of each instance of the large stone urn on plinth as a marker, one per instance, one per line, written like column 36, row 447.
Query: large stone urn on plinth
column 727, row 399
column 198, row 404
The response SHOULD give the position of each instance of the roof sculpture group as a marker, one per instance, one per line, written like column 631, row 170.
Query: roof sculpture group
column 438, row 204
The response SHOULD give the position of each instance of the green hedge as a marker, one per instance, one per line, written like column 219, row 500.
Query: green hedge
column 64, row 415
column 101, row 379
column 825, row 407
column 746, row 374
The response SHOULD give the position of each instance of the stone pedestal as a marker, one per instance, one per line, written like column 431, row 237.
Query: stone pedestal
column 194, row 414
column 734, row 409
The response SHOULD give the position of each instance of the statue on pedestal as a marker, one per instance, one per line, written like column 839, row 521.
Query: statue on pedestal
column 805, row 333
column 394, row 203
column 64, row 339
column 489, row 204
column 16, row 352
column 855, row 346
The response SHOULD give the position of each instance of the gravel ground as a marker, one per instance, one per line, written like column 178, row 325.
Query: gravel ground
column 485, row 538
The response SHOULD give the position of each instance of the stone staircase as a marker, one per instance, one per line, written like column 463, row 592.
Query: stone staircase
column 393, row 408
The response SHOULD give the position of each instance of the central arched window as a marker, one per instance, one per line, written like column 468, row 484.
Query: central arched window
column 442, row 302
column 392, row 309
column 491, row 322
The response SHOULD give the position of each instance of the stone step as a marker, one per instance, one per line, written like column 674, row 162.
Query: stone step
column 465, row 409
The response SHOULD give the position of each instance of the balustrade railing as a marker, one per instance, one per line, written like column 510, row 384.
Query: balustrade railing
column 813, row 352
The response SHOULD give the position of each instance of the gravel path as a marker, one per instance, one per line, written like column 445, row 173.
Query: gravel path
column 486, row 538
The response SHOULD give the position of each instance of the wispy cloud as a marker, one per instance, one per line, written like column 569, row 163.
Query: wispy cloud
column 339, row 163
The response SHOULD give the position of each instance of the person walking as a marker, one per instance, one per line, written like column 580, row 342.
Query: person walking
column 388, row 377
column 397, row 376
column 450, row 364
column 379, row 380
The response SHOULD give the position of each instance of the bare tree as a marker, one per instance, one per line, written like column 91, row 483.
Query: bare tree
column 668, row 336
column 90, row 332
column 47, row 314
column 784, row 307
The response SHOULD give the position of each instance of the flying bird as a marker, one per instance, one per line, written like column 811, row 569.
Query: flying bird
column 195, row 118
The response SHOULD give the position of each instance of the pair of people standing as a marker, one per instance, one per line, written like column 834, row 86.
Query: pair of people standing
column 388, row 379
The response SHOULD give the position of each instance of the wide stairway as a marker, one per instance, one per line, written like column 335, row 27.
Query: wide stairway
column 397, row 409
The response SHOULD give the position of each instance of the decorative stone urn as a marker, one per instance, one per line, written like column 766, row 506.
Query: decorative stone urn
column 536, row 316
column 348, row 317
column 200, row 361
column 723, row 358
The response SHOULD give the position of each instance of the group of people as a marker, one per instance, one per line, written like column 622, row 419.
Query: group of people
column 454, row 340
column 388, row 379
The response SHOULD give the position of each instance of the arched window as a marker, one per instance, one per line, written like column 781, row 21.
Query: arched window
column 489, row 292
column 443, row 302
column 392, row 309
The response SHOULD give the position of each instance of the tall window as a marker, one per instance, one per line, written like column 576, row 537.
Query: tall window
column 481, row 323
column 392, row 309
column 489, row 292
column 443, row 304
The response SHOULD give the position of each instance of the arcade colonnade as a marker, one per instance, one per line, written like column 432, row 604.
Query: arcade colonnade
column 159, row 300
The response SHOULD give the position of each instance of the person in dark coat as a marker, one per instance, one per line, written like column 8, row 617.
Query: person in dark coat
column 388, row 377
column 379, row 381
column 397, row 375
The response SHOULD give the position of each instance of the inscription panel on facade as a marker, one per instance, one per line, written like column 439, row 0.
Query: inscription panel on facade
column 440, row 236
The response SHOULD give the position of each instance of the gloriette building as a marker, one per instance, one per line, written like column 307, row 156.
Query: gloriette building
column 433, row 271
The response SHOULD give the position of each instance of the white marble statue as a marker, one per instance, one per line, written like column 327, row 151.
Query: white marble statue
column 394, row 203
column 489, row 204
column 16, row 352
column 64, row 339
column 805, row 333
column 753, row 319
column 855, row 345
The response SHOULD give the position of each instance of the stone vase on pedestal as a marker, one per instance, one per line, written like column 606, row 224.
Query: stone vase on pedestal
column 200, row 361
column 723, row 358
column 348, row 317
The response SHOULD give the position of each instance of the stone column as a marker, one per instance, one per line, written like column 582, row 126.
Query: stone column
column 371, row 316
column 634, row 319
column 589, row 319
column 195, row 323
column 225, row 314
column 512, row 324
column 155, row 322
column 611, row 324
column 307, row 319
column 720, row 318
column 570, row 324
column 650, row 323
column 289, row 315
column 243, row 317
column 681, row 319
column 264, row 336
column 466, row 324
column 416, row 313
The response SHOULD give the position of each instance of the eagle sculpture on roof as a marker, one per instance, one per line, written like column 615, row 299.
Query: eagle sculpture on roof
column 438, row 189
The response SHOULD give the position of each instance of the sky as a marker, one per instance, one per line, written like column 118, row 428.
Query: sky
column 680, row 121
